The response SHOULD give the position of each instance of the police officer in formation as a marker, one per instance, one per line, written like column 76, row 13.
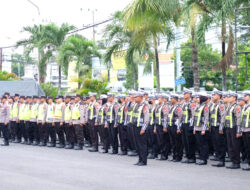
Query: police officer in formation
column 150, row 126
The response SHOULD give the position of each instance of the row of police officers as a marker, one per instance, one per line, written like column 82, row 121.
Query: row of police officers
column 150, row 126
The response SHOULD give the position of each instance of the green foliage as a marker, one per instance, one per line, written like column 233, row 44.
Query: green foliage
column 8, row 76
column 17, row 65
column 208, row 60
column 49, row 89
column 244, row 73
column 93, row 85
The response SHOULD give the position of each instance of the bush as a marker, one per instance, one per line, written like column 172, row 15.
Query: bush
column 93, row 85
column 49, row 89
column 8, row 76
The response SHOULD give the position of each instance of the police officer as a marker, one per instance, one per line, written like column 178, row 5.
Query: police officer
column 217, row 121
column 4, row 120
column 86, row 128
column 11, row 127
column 111, row 111
column 69, row 129
column 122, row 130
column 246, row 128
column 29, row 129
column 151, row 137
column 15, row 122
column 201, row 130
column 100, row 122
column 50, row 122
column 233, row 131
column 22, row 117
column 174, row 128
column 33, row 120
column 140, row 124
column 59, row 121
column 76, row 120
column 188, row 138
column 129, row 109
column 163, row 141
column 92, row 114
column 41, row 121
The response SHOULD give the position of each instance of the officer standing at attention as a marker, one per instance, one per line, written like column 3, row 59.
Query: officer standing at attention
column 188, row 138
column 4, row 120
column 50, row 122
column 233, row 125
column 76, row 120
column 59, row 121
column 122, row 130
column 69, row 129
column 174, row 128
column 111, row 111
column 201, row 130
column 41, row 121
column 246, row 128
column 92, row 114
column 161, row 115
column 140, row 124
column 33, row 120
column 15, row 122
column 217, row 122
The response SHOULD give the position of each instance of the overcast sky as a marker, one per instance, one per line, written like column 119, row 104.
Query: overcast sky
column 15, row 14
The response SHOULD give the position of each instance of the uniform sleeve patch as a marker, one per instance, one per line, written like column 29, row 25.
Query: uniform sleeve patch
column 165, row 109
column 206, row 109
column 146, row 110
column 193, row 105
column 238, row 110
column 222, row 107
column 179, row 109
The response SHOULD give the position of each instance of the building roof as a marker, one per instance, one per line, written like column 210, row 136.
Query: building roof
column 23, row 87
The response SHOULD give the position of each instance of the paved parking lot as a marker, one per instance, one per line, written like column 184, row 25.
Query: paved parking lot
column 25, row 167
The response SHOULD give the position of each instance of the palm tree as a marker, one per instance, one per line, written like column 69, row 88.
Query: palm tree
column 80, row 49
column 53, row 38
column 149, row 19
column 220, row 13
column 190, row 15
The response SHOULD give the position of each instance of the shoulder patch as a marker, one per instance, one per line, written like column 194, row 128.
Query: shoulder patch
column 146, row 110
column 116, row 107
column 193, row 105
column 222, row 107
column 237, row 109
column 179, row 109
column 206, row 109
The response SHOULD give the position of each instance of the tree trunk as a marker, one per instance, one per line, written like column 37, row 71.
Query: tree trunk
column 223, row 50
column 79, row 84
column 59, row 79
column 134, row 77
column 195, row 63
column 157, row 65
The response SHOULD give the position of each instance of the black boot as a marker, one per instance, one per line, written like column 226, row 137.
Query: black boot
column 35, row 143
column 51, row 145
column 151, row 156
column 162, row 157
column 60, row 146
column 202, row 162
column 5, row 143
column 69, row 146
column 233, row 166
column 247, row 168
column 93, row 149
column 77, row 147
column 219, row 164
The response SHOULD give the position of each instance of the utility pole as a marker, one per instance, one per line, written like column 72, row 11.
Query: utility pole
column 178, row 56
column 93, row 21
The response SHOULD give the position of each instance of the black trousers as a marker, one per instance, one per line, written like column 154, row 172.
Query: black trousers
column 151, row 140
column 51, row 133
column 105, row 134
column 94, row 133
column 35, row 127
column 43, row 132
column 122, row 130
column 176, row 142
column 202, row 144
column 219, row 143
column 246, row 140
column 113, row 136
column 163, row 141
column 60, row 132
column 131, row 137
column 23, row 131
column 188, row 140
column 30, row 131
column 70, row 133
column 141, row 143
column 5, row 130
column 233, row 145
column 12, row 129
column 79, row 134
column 86, row 133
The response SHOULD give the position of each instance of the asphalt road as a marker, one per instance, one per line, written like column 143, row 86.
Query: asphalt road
column 24, row 167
